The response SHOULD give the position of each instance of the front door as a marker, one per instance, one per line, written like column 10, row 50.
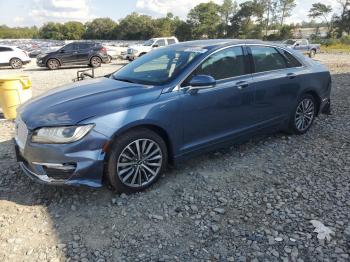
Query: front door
column 68, row 54
column 214, row 114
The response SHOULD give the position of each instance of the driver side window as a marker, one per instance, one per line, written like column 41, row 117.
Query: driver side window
column 223, row 64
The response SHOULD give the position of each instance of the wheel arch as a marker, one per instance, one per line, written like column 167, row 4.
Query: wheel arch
column 316, row 96
column 15, row 57
column 153, row 127
column 54, row 58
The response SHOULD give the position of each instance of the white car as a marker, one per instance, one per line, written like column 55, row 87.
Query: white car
column 13, row 56
column 139, row 50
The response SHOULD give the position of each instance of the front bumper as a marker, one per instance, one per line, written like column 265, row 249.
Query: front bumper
column 40, row 63
column 77, row 164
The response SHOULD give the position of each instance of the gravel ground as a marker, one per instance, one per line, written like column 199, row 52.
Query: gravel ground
column 250, row 202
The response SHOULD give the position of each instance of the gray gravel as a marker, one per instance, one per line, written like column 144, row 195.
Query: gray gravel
column 250, row 202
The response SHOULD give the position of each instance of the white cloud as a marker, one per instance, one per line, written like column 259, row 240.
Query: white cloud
column 61, row 10
column 162, row 7
column 301, row 11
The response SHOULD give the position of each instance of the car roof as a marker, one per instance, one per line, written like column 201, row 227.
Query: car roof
column 10, row 46
column 217, row 43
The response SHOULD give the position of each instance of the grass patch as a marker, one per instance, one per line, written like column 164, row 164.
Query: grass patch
column 339, row 47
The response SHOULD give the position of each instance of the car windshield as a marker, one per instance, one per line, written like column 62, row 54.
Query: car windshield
column 159, row 66
column 289, row 42
column 148, row 42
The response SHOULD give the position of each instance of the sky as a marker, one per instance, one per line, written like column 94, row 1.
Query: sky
column 37, row 12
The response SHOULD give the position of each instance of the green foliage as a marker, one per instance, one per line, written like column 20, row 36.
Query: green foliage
column 51, row 30
column 204, row 20
column 18, row 32
column 100, row 28
column 135, row 27
column 73, row 30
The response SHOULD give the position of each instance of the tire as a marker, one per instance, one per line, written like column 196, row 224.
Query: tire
column 142, row 54
column 109, row 59
column 128, row 173
column 303, row 115
column 95, row 61
column 312, row 53
column 16, row 63
column 53, row 64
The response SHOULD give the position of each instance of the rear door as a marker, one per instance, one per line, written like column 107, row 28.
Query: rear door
column 276, row 83
column 84, row 52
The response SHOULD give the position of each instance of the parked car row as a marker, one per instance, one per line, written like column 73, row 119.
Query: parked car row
column 53, row 55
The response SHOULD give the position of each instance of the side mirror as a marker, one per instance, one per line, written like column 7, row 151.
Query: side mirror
column 155, row 46
column 297, row 44
column 201, row 82
column 62, row 51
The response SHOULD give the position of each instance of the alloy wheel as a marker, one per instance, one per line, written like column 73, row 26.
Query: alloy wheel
column 139, row 163
column 53, row 64
column 95, row 62
column 305, row 114
column 16, row 63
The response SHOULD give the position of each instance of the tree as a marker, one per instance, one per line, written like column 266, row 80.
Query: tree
column 248, row 21
column 342, row 21
column 73, row 30
column 227, row 10
column 183, row 31
column 51, row 30
column 100, row 28
column 319, row 10
column 204, row 20
column 166, row 26
column 136, row 27
column 285, row 9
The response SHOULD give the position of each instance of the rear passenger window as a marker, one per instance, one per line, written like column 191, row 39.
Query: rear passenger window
column 267, row 59
column 83, row 46
column 223, row 64
column 291, row 60
column 161, row 42
column 171, row 41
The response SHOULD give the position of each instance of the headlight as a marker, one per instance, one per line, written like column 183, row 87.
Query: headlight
column 60, row 135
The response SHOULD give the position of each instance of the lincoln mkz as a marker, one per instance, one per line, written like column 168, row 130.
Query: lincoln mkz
column 188, row 98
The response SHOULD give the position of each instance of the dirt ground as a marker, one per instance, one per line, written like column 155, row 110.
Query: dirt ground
column 252, row 202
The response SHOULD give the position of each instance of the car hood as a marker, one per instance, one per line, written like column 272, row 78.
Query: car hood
column 71, row 104
column 141, row 48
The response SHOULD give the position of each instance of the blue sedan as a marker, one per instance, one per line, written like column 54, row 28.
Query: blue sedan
column 174, row 102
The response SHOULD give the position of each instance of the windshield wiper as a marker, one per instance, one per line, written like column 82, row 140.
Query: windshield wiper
column 123, row 79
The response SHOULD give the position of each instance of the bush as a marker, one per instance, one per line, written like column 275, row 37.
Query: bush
column 345, row 40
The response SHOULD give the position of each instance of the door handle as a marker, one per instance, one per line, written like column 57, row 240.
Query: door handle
column 242, row 84
column 291, row 75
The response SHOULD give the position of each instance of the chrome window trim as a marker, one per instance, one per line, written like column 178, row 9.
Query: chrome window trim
column 178, row 86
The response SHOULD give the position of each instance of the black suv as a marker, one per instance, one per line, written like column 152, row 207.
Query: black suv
column 76, row 53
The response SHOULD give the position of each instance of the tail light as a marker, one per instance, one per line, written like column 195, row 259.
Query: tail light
column 25, row 53
column 103, row 50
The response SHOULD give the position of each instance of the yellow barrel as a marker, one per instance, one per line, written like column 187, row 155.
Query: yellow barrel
column 14, row 91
